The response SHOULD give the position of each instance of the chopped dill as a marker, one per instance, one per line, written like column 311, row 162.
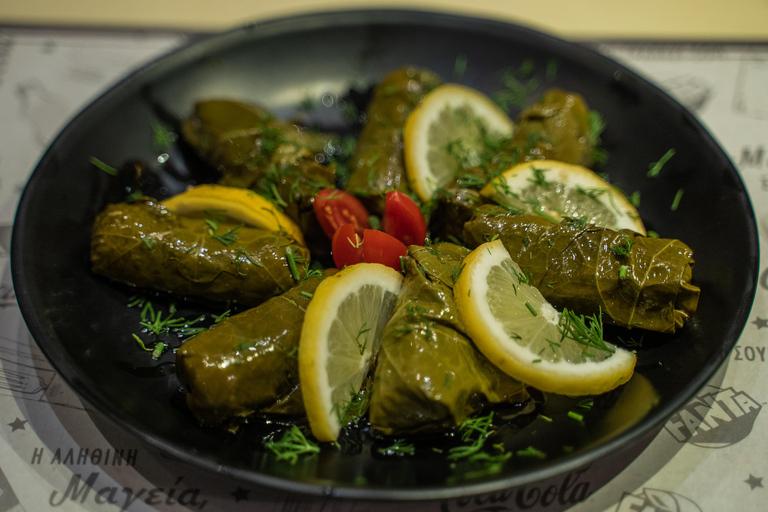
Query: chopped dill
column 292, row 445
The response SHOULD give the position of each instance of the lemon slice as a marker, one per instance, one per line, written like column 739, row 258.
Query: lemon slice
column 563, row 190
column 446, row 133
column 521, row 333
column 240, row 204
column 341, row 331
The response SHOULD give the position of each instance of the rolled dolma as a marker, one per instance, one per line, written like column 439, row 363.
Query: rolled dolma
column 145, row 245
column 248, row 363
column 377, row 165
column 556, row 128
column 429, row 376
column 253, row 149
column 635, row 281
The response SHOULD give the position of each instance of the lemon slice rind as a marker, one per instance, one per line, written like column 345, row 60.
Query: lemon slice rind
column 240, row 204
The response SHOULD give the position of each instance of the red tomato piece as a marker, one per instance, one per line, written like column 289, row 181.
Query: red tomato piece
column 334, row 208
column 379, row 247
column 347, row 246
column 403, row 219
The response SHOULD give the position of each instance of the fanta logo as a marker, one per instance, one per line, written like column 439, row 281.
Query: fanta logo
column 656, row 500
column 718, row 418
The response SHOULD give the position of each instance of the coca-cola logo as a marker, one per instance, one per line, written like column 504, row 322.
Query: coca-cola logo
column 557, row 495
column 716, row 418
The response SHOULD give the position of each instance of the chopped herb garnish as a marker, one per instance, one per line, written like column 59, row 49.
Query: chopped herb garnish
column 530, row 308
column 230, row 237
column 158, row 350
column 292, row 445
column 459, row 66
column 289, row 256
column 655, row 168
column 104, row 167
column 622, row 249
column 623, row 272
column 307, row 295
column 134, row 196
column 531, row 452
column 474, row 431
column 447, row 380
column 162, row 137
column 456, row 272
column 587, row 403
column 149, row 242
column 400, row 447
column 350, row 411
column 589, row 336
column 362, row 345
column 575, row 416
column 676, row 200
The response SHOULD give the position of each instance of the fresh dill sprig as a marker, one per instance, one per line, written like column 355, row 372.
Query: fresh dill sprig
column 589, row 336
column 292, row 445
column 622, row 249
column 230, row 237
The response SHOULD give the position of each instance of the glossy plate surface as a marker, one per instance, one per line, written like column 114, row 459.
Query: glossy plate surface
column 82, row 324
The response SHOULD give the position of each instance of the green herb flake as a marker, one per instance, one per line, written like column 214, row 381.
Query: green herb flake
column 575, row 416
column 292, row 445
column 676, row 200
column 307, row 295
column 623, row 271
column 655, row 168
column 399, row 447
column 587, row 403
column 230, row 237
column 289, row 256
column 530, row 308
column 622, row 249
column 460, row 66
column 104, row 167
column 362, row 345
column 456, row 272
column 531, row 452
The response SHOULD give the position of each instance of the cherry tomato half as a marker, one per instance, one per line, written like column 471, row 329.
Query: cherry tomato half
column 379, row 247
column 403, row 219
column 347, row 246
column 334, row 208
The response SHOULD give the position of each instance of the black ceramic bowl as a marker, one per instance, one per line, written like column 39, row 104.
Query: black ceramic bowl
column 82, row 324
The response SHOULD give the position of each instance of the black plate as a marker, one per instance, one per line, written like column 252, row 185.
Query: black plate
column 82, row 324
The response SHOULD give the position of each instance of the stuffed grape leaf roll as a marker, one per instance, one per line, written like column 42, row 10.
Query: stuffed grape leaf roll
column 377, row 164
column 248, row 363
column 145, row 245
column 429, row 376
column 635, row 281
column 252, row 149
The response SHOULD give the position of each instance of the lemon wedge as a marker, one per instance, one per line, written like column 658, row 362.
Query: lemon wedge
column 521, row 333
column 446, row 133
column 240, row 204
column 563, row 190
column 342, row 329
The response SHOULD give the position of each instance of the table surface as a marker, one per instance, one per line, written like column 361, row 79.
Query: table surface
column 687, row 20
column 56, row 454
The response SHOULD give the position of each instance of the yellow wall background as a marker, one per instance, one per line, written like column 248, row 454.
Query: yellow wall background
column 719, row 20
